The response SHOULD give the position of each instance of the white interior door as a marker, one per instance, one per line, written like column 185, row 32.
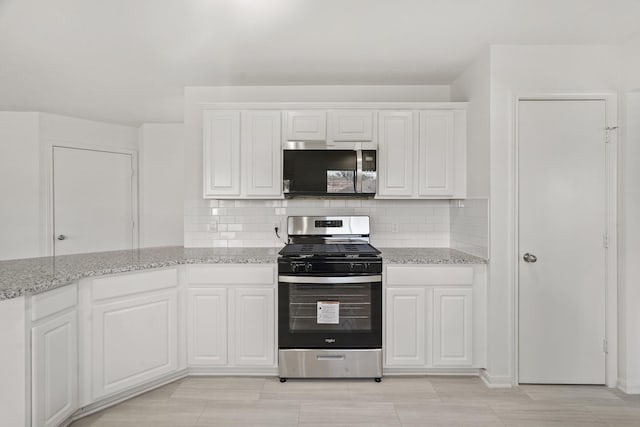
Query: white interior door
column 92, row 201
column 562, row 221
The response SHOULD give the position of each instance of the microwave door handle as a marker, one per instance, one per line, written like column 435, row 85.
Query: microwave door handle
column 358, row 171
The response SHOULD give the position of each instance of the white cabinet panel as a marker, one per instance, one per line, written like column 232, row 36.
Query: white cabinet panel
column 417, row 275
column 436, row 153
column 395, row 153
column 351, row 125
column 254, row 326
column 221, row 153
column 55, row 369
column 405, row 327
column 207, row 326
column 452, row 334
column 134, row 340
column 261, row 151
column 307, row 125
column 232, row 274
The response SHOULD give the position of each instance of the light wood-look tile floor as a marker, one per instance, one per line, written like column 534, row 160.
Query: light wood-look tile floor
column 396, row 401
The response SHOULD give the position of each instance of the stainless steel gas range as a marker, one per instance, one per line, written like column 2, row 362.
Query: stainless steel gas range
column 329, row 300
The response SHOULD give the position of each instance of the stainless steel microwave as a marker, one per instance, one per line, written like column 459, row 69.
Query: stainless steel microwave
column 317, row 169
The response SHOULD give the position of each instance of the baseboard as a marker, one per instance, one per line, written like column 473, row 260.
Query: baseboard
column 122, row 396
column 231, row 372
column 431, row 371
column 629, row 387
column 495, row 381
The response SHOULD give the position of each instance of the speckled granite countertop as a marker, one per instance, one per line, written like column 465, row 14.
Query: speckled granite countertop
column 428, row 256
column 34, row 275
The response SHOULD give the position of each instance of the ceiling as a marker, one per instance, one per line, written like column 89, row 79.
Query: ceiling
column 127, row 61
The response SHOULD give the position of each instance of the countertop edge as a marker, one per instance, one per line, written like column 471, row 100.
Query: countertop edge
column 391, row 256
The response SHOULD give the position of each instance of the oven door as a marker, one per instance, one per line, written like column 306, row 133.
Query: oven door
column 330, row 311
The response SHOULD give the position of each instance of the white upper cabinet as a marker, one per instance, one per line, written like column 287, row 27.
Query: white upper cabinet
column 221, row 153
column 426, row 160
column 351, row 125
column 307, row 125
column 242, row 154
column 421, row 150
column 395, row 153
column 435, row 153
column 261, row 171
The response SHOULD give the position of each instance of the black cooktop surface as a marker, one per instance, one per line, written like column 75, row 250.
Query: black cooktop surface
column 333, row 249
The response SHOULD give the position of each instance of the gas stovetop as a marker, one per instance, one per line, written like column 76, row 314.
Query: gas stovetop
column 329, row 249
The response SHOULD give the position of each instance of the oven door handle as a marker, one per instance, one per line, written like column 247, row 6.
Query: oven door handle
column 330, row 280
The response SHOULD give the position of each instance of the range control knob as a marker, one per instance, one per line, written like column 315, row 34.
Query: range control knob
column 296, row 266
column 356, row 266
column 308, row 267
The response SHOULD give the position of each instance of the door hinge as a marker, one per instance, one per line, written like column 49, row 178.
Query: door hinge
column 605, row 346
column 605, row 241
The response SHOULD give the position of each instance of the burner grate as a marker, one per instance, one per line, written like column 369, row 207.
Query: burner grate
column 328, row 249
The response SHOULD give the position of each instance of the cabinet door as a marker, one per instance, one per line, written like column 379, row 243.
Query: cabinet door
column 221, row 153
column 261, row 150
column 395, row 153
column 351, row 125
column 452, row 334
column 436, row 149
column 55, row 369
column 134, row 341
column 307, row 125
column 254, row 326
column 405, row 327
column 207, row 326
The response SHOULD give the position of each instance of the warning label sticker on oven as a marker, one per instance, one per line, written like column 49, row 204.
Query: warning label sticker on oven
column 329, row 312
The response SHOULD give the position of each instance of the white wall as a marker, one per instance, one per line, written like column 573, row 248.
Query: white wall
column 161, row 177
column 19, row 186
column 628, row 222
column 473, row 86
column 14, row 363
column 25, row 172
column 517, row 70
column 59, row 129
column 470, row 219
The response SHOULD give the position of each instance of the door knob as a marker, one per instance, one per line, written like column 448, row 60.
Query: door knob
column 61, row 237
column 529, row 258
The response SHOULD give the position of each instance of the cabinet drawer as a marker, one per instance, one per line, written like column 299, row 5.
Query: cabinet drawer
column 428, row 275
column 127, row 284
column 51, row 302
column 243, row 274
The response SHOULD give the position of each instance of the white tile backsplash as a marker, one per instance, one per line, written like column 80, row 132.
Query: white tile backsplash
column 250, row 223
column 469, row 225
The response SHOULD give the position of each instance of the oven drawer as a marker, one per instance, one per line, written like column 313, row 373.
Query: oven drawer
column 300, row 363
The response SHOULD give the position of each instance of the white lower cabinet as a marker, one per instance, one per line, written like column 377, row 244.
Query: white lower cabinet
column 55, row 369
column 254, row 326
column 430, row 317
column 231, row 321
column 207, row 326
column 405, row 326
column 134, row 333
column 452, row 327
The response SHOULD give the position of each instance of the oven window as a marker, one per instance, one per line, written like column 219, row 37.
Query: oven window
column 347, row 307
